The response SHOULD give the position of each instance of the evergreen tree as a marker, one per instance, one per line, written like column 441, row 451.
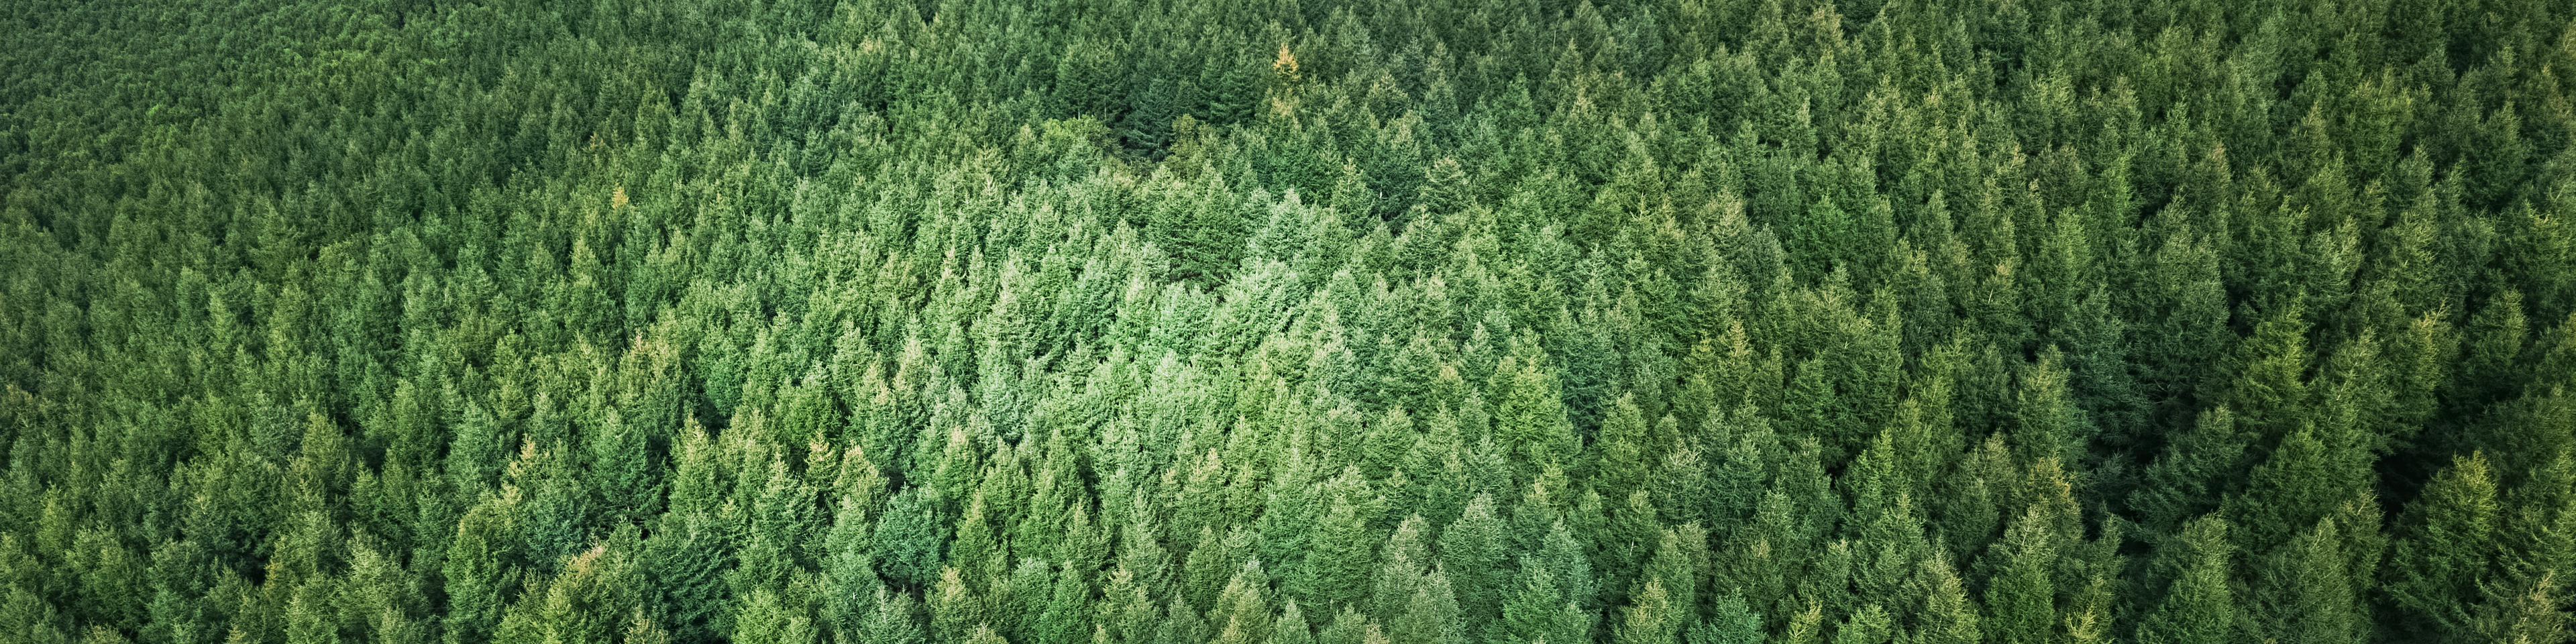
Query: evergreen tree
column 2021, row 598
column 907, row 542
column 2200, row 605
column 2321, row 606
column 1474, row 548
column 767, row 618
column 1242, row 612
column 1430, row 614
column 592, row 599
column 1619, row 462
column 1336, row 570
column 1530, row 416
column 1540, row 610
column 849, row 576
column 2187, row 480
column 1949, row 616
column 894, row 619
column 480, row 570
column 2443, row 552
column 1731, row 623
column 956, row 610
column 1651, row 619
column 1291, row 627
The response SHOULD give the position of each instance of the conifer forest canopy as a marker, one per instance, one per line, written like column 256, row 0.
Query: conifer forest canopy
column 1287, row 321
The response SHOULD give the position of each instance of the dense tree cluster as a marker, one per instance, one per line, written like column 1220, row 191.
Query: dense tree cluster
column 1304, row 322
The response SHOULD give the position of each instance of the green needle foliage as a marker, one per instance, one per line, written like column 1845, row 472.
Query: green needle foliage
column 1331, row 321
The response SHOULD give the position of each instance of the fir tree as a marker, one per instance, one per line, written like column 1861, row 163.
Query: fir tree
column 2200, row 605
column 2444, row 551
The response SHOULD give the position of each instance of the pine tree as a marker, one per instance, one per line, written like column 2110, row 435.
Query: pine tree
column 849, row 576
column 2182, row 304
column 1811, row 405
column 1347, row 627
column 1141, row 323
column 2302, row 481
column 1211, row 562
column 1680, row 562
column 1124, row 612
column 1821, row 239
column 2048, row 424
column 2524, row 614
column 309, row 619
column 1869, row 625
column 973, row 550
column 2539, row 537
column 2270, row 393
column 1737, row 479
column 1068, row 600
column 1569, row 565
column 1291, row 627
column 1403, row 562
column 687, row 559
